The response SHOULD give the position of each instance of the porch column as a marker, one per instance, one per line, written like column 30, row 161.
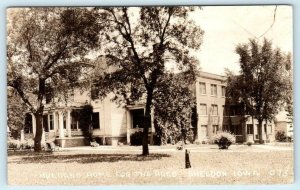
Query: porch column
column 33, row 124
column 128, row 124
column 68, row 123
column 54, row 121
column 152, row 127
column 43, row 141
column 61, row 124
column 22, row 135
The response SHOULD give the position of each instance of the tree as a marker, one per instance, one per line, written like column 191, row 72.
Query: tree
column 262, row 85
column 46, row 49
column 140, row 42
column 16, row 111
column 174, row 107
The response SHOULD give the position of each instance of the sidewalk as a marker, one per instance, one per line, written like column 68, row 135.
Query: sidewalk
column 173, row 148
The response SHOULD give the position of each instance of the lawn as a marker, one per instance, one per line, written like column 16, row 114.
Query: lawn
column 239, row 165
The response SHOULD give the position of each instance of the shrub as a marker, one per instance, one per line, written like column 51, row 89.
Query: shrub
column 28, row 144
column 280, row 136
column 13, row 143
column 94, row 144
column 136, row 138
column 249, row 143
column 223, row 139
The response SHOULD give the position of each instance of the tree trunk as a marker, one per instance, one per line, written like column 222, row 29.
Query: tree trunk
column 39, row 116
column 260, row 133
column 38, row 132
column 147, row 119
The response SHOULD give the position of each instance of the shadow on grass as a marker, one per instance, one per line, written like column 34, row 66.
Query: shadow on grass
column 31, row 157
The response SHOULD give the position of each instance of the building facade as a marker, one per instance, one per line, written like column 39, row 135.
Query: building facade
column 113, row 124
column 215, row 113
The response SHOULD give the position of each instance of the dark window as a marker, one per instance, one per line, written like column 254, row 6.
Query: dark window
column 223, row 90
column 265, row 128
column 138, row 118
column 215, row 128
column 95, row 120
column 45, row 123
column 74, row 121
column 239, row 130
column 249, row 129
column 28, row 123
column 51, row 122
column 226, row 128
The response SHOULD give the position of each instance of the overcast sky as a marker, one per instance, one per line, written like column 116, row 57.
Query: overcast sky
column 227, row 26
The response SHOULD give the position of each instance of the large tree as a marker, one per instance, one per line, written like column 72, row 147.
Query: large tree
column 46, row 49
column 140, row 43
column 264, row 81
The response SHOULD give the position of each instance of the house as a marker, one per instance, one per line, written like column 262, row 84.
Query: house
column 113, row 124
column 284, row 123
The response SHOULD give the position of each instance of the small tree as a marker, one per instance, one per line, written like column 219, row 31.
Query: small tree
column 16, row 111
column 174, row 107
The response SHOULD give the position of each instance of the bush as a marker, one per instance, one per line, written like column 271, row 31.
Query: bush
column 28, row 144
column 94, row 144
column 223, row 139
column 280, row 136
column 136, row 138
column 13, row 143
column 249, row 143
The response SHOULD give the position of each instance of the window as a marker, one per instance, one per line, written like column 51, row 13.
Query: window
column 213, row 88
column 203, row 131
column 215, row 128
column 74, row 121
column 235, row 110
column 249, row 129
column 223, row 90
column 269, row 129
column 238, row 130
column 138, row 118
column 202, row 88
column 28, row 123
column 226, row 128
column 51, row 122
column 203, row 109
column 265, row 128
column 225, row 110
column 45, row 123
column 214, row 110
column 95, row 120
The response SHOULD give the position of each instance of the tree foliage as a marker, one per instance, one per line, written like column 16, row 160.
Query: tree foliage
column 16, row 110
column 174, row 107
column 264, row 81
column 46, row 52
column 139, row 44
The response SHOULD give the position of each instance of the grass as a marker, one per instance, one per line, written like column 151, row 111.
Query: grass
column 239, row 165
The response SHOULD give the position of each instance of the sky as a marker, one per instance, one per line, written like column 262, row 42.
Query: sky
column 227, row 26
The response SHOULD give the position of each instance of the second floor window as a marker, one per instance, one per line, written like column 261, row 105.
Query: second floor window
column 223, row 90
column 214, row 110
column 202, row 88
column 213, row 88
column 203, row 109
